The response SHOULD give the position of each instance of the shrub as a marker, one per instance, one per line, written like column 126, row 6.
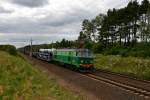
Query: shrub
column 98, row 47
column 138, row 50
column 9, row 48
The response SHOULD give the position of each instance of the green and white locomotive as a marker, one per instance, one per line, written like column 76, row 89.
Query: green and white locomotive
column 81, row 59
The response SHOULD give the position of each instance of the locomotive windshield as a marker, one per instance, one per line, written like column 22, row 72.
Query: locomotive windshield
column 84, row 53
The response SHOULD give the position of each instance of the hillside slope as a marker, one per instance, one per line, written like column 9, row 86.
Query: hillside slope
column 20, row 81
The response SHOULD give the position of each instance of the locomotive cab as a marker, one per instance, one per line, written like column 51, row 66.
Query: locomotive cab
column 85, row 58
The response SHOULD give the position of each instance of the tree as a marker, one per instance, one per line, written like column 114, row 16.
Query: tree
column 144, row 19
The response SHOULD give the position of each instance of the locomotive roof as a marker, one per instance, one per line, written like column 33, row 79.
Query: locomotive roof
column 71, row 49
column 47, row 50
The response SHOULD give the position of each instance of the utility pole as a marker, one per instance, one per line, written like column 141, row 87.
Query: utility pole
column 52, row 44
column 31, row 47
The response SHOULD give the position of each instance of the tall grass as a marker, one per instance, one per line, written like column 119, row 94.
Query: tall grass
column 21, row 81
column 137, row 67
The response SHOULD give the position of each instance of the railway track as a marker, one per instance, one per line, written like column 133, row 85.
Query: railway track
column 123, row 85
column 122, row 75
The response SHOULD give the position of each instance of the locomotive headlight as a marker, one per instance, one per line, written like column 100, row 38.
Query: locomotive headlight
column 82, row 61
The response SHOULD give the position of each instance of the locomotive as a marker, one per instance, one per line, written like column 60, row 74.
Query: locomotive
column 78, row 59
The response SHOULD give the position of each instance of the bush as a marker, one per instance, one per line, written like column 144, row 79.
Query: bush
column 88, row 45
column 138, row 50
column 124, row 53
column 9, row 48
column 98, row 47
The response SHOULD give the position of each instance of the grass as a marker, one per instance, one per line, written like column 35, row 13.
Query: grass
column 21, row 81
column 133, row 66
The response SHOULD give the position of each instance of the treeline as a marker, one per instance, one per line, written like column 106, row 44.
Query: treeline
column 125, row 26
column 9, row 48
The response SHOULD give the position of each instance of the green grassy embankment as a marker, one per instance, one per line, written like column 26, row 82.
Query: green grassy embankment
column 21, row 81
column 133, row 66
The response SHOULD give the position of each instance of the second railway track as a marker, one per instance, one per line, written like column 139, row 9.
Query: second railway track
column 131, row 88
column 123, row 75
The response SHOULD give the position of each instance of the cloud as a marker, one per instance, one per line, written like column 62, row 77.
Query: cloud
column 75, row 15
column 30, row 3
column 5, row 11
column 51, row 23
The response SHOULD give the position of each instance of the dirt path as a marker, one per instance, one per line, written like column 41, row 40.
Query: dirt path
column 89, row 88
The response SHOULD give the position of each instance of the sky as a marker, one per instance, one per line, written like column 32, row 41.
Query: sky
column 47, row 21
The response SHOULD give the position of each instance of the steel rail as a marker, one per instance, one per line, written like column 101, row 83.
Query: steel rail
column 127, row 87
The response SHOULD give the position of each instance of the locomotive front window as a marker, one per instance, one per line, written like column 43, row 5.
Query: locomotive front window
column 84, row 53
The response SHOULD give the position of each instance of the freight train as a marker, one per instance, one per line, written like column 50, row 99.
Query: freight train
column 77, row 59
